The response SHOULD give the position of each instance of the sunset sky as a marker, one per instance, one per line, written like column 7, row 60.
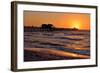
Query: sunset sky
column 58, row 19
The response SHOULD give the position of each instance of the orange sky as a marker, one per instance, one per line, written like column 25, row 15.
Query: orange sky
column 58, row 19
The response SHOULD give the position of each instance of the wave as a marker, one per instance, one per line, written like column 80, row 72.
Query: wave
column 67, row 41
column 38, row 54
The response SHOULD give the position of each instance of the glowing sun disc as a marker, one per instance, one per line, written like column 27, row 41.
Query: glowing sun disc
column 76, row 26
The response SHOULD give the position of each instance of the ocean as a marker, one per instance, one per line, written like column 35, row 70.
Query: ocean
column 56, row 45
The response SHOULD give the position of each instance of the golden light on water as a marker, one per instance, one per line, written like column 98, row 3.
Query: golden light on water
column 49, row 52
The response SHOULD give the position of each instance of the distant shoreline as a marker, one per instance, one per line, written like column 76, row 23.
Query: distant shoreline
column 29, row 28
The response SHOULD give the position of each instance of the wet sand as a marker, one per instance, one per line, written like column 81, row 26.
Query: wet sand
column 41, row 54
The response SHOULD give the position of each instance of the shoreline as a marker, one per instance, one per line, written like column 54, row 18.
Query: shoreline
column 40, row 54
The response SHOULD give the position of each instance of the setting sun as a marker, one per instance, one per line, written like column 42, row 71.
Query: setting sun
column 76, row 26
column 80, row 21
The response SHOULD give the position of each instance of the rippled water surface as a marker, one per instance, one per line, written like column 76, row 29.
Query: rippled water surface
column 46, row 45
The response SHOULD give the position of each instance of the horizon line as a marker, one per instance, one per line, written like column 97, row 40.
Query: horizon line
column 59, row 28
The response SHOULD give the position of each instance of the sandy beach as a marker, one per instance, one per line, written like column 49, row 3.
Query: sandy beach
column 38, row 54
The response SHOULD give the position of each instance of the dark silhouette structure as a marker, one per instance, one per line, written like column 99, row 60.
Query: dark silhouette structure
column 47, row 27
column 44, row 26
column 75, row 28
